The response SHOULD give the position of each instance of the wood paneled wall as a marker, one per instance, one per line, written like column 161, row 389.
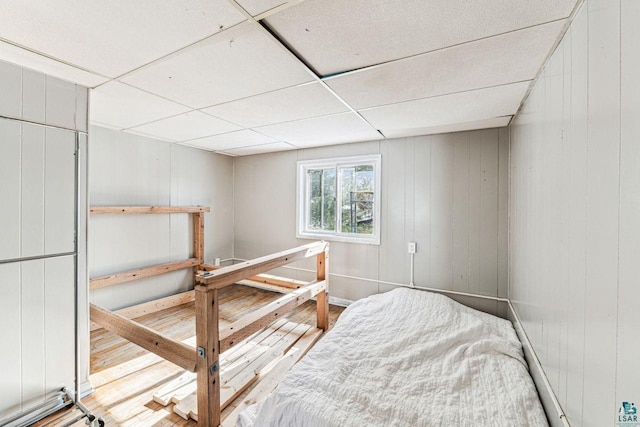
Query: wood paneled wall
column 131, row 170
column 40, row 119
column 574, row 205
column 446, row 192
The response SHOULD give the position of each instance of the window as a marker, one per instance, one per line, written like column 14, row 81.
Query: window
column 339, row 199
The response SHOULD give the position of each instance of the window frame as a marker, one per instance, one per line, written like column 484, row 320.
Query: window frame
column 303, row 201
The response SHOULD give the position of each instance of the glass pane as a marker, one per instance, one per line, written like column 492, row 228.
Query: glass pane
column 357, row 199
column 329, row 200
column 322, row 199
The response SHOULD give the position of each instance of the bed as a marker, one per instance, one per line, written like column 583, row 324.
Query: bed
column 407, row 358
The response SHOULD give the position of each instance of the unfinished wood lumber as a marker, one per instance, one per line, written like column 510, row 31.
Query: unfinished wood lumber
column 140, row 310
column 141, row 273
column 147, row 209
column 225, row 276
column 262, row 317
column 270, row 380
column 237, row 378
column 198, row 236
column 208, row 394
column 322, row 303
column 177, row 389
column 165, row 347
column 265, row 286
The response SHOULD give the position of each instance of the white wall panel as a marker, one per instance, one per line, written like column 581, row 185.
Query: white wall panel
column 574, row 226
column 10, row 188
column 59, row 191
column 627, row 376
column 37, row 187
column 127, row 169
column 33, row 188
column 429, row 185
column 10, row 363
column 33, row 341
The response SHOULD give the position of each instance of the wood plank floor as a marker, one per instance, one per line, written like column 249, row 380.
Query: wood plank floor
column 125, row 376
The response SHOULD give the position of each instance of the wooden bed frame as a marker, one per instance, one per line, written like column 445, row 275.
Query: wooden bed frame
column 209, row 279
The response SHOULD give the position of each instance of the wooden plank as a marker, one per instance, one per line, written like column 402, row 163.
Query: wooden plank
column 260, row 318
column 198, row 236
column 233, row 384
column 141, row 273
column 174, row 351
column 179, row 388
column 139, row 310
column 265, row 286
column 147, row 209
column 227, row 275
column 274, row 376
column 208, row 395
column 322, row 303
column 278, row 281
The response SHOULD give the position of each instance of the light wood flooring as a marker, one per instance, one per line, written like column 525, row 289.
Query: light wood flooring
column 126, row 377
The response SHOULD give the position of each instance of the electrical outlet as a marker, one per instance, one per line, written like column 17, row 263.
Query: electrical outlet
column 412, row 247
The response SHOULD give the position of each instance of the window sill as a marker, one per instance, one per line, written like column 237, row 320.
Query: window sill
column 370, row 240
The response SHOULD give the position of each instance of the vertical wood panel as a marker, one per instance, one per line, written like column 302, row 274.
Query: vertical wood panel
column 460, row 212
column 11, row 90
column 628, row 375
column 489, row 212
column 60, row 105
column 32, row 200
column 578, row 212
column 33, row 96
column 59, row 191
column 59, row 322
column 10, row 189
column 475, row 177
column 10, row 363
column 441, row 211
column 602, row 211
column 422, row 206
column 33, row 349
column 503, row 212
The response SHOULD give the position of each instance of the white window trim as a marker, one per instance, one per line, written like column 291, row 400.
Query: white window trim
column 303, row 165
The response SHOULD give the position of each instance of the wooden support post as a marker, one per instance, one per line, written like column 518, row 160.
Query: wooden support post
column 208, row 349
column 322, row 273
column 198, row 236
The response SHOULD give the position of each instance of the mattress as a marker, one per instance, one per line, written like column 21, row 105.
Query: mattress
column 407, row 358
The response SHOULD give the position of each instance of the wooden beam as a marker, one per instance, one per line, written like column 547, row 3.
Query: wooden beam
column 141, row 273
column 165, row 347
column 198, row 236
column 322, row 305
column 152, row 306
column 278, row 281
column 262, row 317
column 227, row 275
column 208, row 394
column 147, row 209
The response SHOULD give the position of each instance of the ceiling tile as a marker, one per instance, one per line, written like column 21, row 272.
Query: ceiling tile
column 449, row 109
column 260, row 149
column 294, row 103
column 340, row 35
column 239, row 62
column 507, row 58
column 115, row 36
column 31, row 60
column 194, row 124
column 227, row 141
column 122, row 106
column 496, row 122
column 256, row 7
column 326, row 130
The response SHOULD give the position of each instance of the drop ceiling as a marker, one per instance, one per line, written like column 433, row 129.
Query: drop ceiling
column 244, row 77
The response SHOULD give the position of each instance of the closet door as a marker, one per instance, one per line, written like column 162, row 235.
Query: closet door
column 37, row 218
